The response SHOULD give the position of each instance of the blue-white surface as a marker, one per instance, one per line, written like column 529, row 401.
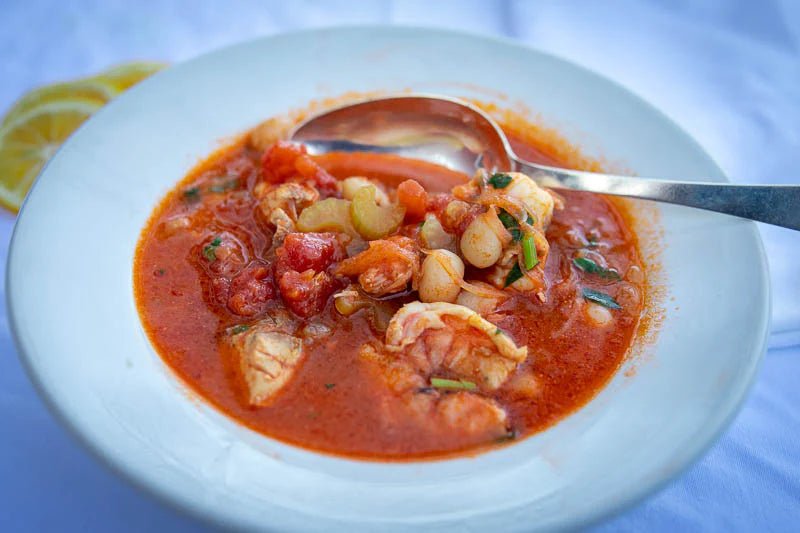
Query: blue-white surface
column 728, row 71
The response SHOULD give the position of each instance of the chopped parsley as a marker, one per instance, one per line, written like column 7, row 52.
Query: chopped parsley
column 210, row 250
column 513, row 275
column 529, row 257
column 192, row 194
column 507, row 220
column 498, row 331
column 600, row 298
column 500, row 180
column 510, row 223
column 239, row 328
column 329, row 386
column 160, row 272
column 590, row 267
column 453, row 384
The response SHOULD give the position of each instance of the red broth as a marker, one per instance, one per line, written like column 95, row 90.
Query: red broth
column 333, row 404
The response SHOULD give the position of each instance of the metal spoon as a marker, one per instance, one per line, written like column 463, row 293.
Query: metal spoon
column 457, row 135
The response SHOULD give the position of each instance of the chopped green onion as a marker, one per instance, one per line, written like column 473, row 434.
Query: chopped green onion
column 500, row 180
column 601, row 298
column 191, row 194
column 210, row 251
column 529, row 257
column 498, row 331
column 513, row 275
column 590, row 267
column 461, row 384
column 529, row 220
column 239, row 328
column 329, row 386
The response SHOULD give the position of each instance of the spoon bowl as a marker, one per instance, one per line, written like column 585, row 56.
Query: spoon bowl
column 457, row 135
column 438, row 129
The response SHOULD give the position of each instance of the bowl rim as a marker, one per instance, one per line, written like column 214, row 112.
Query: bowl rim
column 185, row 504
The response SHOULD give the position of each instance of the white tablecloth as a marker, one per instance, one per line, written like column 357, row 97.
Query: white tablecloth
column 728, row 71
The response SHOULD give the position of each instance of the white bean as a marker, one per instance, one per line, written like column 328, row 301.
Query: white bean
column 483, row 305
column 434, row 236
column 598, row 315
column 441, row 272
column 480, row 245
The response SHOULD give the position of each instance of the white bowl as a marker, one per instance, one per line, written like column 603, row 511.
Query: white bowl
column 72, row 310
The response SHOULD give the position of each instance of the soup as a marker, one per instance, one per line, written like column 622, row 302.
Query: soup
column 386, row 308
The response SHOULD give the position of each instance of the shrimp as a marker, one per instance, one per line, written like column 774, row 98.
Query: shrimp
column 470, row 414
column 451, row 337
column 386, row 267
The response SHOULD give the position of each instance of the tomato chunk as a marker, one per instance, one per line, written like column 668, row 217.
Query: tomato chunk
column 284, row 161
column 306, row 293
column 308, row 251
column 277, row 165
column 309, row 169
column 251, row 290
column 413, row 197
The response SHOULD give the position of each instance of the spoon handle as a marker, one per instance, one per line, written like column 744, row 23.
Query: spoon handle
column 773, row 204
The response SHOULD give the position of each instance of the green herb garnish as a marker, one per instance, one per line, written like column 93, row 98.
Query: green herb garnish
column 529, row 257
column 513, row 275
column 500, row 180
column 498, row 331
column 529, row 220
column 511, row 435
column 191, row 194
column 160, row 272
column 507, row 220
column 590, row 267
column 239, row 328
column 329, row 386
column 210, row 251
column 453, row 384
column 601, row 298
column 510, row 223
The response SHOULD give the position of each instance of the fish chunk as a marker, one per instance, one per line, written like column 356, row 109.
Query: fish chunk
column 267, row 361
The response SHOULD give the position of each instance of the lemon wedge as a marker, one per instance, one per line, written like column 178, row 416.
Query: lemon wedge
column 42, row 119
column 86, row 90
column 121, row 77
column 28, row 141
